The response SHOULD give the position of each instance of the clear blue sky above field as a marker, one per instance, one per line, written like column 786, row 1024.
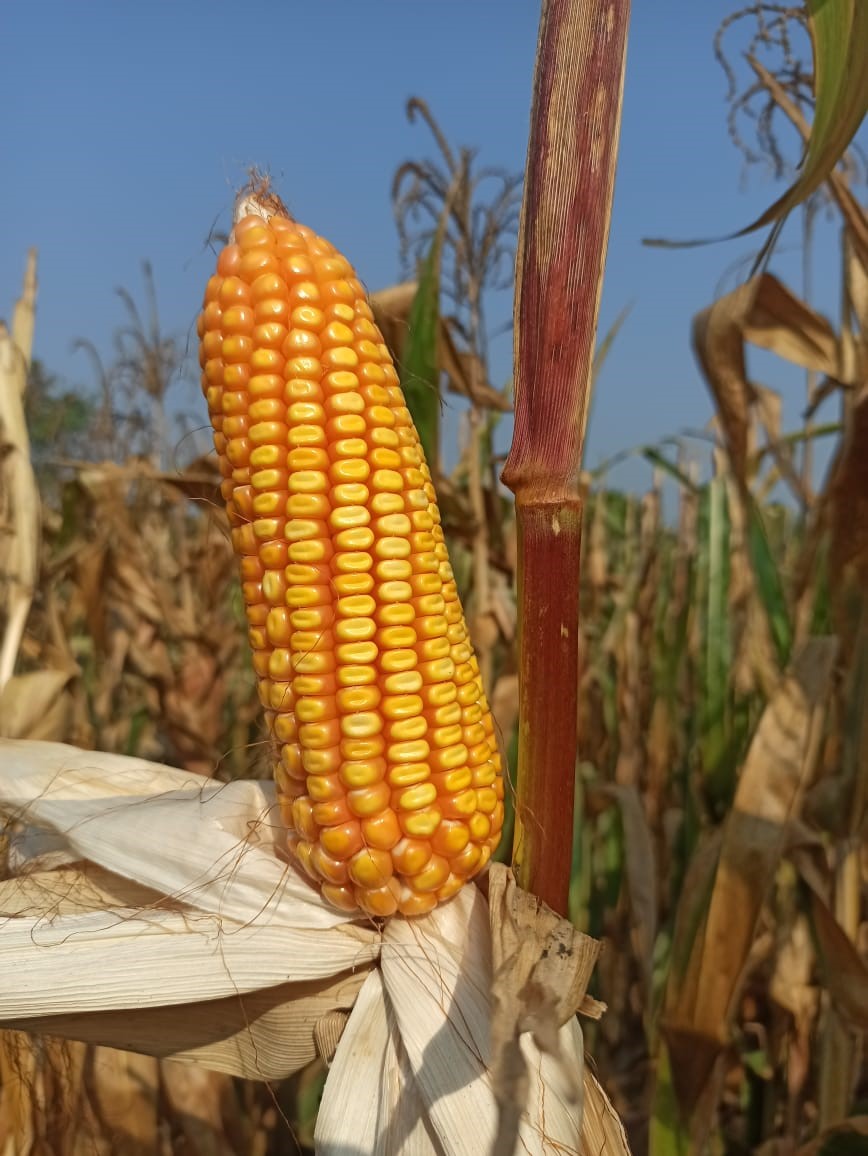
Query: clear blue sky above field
column 127, row 126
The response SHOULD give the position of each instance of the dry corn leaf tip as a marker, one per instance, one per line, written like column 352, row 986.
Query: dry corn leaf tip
column 387, row 766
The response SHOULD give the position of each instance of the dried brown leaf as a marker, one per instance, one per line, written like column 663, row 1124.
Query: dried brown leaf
column 126, row 1092
column 790, row 984
column 90, row 570
column 783, row 324
column 701, row 998
column 844, row 972
column 762, row 312
column 465, row 373
column 37, row 705
column 44, row 1106
column 194, row 1097
column 19, row 498
column 641, row 874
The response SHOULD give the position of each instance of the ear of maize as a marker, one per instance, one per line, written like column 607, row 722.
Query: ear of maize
column 387, row 769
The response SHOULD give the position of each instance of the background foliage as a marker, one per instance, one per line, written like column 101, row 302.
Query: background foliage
column 719, row 846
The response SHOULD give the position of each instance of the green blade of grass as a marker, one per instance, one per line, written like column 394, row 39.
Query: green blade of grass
column 716, row 648
column 839, row 33
column 419, row 373
column 667, row 1135
column 769, row 585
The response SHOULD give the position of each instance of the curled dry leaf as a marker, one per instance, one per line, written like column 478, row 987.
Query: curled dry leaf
column 762, row 312
column 792, row 987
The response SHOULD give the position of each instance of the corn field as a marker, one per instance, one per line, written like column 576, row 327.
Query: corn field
column 719, row 847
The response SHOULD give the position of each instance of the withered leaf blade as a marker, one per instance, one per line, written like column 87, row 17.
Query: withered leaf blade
column 762, row 312
column 702, row 996
column 465, row 373
column 37, row 706
column 844, row 972
column 126, row 1091
column 783, row 324
column 194, row 1097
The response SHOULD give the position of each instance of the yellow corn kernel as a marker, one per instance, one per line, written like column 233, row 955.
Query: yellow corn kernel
column 411, row 855
column 387, row 771
column 370, row 868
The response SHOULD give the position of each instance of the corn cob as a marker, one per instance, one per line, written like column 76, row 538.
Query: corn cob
column 387, row 768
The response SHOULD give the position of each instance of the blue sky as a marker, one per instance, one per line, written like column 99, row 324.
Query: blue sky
column 127, row 127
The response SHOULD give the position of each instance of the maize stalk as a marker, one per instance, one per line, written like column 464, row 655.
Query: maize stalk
column 387, row 768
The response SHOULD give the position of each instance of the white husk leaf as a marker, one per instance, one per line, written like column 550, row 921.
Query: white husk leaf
column 436, row 978
column 264, row 1035
column 226, row 916
column 207, row 830
column 170, row 927
column 370, row 1106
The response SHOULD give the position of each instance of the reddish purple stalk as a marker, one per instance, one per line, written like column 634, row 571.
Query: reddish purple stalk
column 562, row 246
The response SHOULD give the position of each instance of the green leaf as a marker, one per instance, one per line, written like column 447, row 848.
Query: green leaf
column 839, row 35
column 309, row 1089
column 419, row 374
column 715, row 683
column 757, row 1061
column 657, row 458
column 503, row 851
column 651, row 453
column 769, row 585
column 667, row 1135
column 839, row 32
